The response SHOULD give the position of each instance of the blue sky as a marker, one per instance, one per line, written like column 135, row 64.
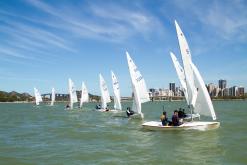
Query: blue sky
column 43, row 43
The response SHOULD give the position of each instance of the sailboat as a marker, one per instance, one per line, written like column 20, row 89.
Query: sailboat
column 72, row 94
column 84, row 94
column 199, row 99
column 116, row 91
column 38, row 97
column 139, row 88
column 181, row 76
column 105, row 96
column 53, row 96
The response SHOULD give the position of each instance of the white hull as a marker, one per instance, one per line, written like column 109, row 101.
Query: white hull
column 197, row 125
column 110, row 110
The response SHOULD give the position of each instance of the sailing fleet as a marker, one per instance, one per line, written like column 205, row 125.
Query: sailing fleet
column 193, row 86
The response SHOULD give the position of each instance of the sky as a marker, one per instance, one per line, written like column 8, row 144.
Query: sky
column 43, row 43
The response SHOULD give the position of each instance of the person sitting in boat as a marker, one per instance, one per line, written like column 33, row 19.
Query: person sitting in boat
column 175, row 119
column 107, row 109
column 184, row 113
column 97, row 107
column 67, row 106
column 180, row 115
column 129, row 112
column 164, row 119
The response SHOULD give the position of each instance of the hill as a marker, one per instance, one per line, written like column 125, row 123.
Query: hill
column 14, row 96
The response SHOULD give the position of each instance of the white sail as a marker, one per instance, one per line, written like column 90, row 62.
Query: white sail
column 203, row 103
column 38, row 97
column 181, row 75
column 52, row 96
column 136, row 106
column 138, row 84
column 72, row 93
column 116, row 91
column 186, row 56
column 84, row 94
column 105, row 96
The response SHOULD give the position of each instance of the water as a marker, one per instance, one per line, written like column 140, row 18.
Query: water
column 51, row 135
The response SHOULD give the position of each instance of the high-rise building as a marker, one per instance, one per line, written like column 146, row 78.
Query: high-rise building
column 225, row 92
column 151, row 92
column 179, row 91
column 211, row 88
column 222, row 84
column 216, row 92
column 172, row 87
column 233, row 91
column 241, row 91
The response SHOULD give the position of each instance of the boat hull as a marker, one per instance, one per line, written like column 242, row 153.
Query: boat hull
column 137, row 116
column 110, row 110
column 196, row 125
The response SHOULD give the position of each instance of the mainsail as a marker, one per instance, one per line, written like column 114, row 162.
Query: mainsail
column 52, row 96
column 116, row 91
column 203, row 103
column 138, row 85
column 38, row 97
column 84, row 94
column 105, row 96
column 197, row 93
column 72, row 93
column 186, row 56
column 181, row 75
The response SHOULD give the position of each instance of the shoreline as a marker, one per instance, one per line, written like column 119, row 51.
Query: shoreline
column 26, row 102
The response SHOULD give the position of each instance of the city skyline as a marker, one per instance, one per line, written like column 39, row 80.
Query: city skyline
column 219, row 89
column 45, row 42
column 174, row 90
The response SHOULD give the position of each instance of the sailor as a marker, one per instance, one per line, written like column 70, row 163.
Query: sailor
column 97, row 106
column 129, row 112
column 175, row 119
column 180, row 113
column 107, row 109
column 184, row 114
column 164, row 119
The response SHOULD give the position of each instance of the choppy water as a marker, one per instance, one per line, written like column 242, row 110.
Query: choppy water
column 51, row 135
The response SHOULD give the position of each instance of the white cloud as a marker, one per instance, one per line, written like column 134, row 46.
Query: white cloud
column 227, row 19
column 139, row 20
column 109, row 22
